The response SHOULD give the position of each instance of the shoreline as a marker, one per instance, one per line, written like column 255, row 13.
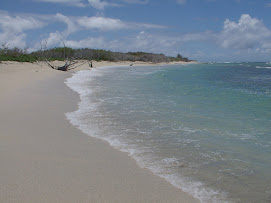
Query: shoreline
column 45, row 158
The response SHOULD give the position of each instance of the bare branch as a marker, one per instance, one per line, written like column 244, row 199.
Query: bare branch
column 64, row 48
column 50, row 65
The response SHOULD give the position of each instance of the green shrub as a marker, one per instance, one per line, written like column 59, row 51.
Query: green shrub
column 18, row 58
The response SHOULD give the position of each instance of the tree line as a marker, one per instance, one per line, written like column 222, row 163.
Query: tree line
column 62, row 53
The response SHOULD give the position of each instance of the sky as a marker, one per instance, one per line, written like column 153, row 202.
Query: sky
column 203, row 30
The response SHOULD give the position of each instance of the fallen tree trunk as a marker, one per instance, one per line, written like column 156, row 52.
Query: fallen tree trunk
column 69, row 65
column 63, row 68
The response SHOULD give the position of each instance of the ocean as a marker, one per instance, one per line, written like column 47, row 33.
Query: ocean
column 205, row 128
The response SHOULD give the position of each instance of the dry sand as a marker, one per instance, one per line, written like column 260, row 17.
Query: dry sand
column 43, row 158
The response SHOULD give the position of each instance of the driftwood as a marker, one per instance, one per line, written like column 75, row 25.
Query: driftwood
column 69, row 65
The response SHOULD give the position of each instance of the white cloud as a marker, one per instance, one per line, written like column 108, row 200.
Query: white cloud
column 13, row 40
column 18, row 24
column 12, row 29
column 54, row 39
column 92, row 42
column 145, row 41
column 245, row 34
column 101, row 23
column 93, row 24
column 97, row 4
column 77, row 3
column 136, row 1
column 145, row 25
column 71, row 25
column 100, row 5
column 107, row 24
column 248, row 36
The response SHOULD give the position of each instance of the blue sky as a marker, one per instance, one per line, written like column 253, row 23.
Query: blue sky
column 204, row 30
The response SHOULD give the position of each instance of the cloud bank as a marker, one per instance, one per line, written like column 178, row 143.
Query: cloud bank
column 13, row 28
column 245, row 35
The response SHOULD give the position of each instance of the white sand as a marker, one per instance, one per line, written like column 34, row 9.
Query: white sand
column 43, row 158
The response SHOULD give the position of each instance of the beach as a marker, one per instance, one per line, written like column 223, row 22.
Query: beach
column 46, row 159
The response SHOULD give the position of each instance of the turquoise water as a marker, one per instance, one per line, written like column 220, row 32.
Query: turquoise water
column 206, row 128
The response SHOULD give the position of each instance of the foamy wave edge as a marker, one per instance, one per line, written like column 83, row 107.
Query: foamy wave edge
column 266, row 67
column 194, row 188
